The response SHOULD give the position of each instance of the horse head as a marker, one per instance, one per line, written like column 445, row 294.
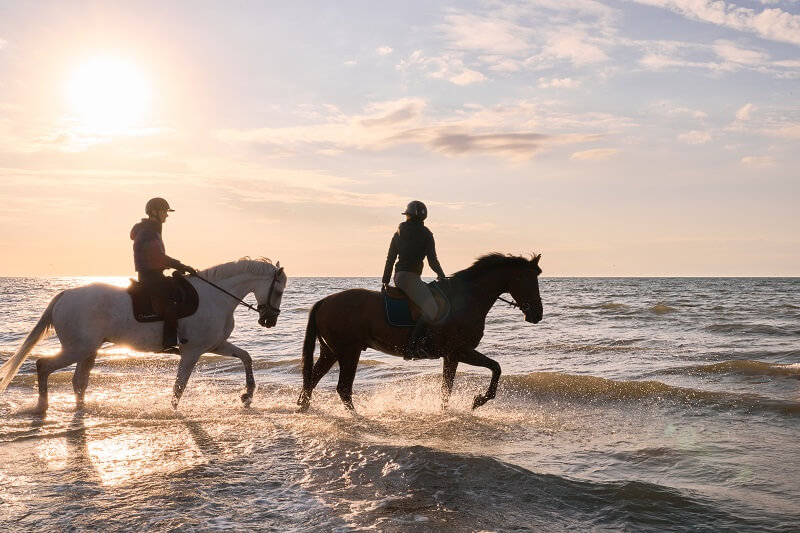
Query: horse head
column 523, row 285
column 269, row 297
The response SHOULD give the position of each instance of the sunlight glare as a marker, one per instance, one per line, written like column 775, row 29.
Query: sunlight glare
column 109, row 96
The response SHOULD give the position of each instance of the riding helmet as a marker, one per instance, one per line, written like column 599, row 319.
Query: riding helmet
column 154, row 204
column 416, row 209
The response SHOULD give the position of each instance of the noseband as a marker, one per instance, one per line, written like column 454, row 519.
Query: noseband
column 524, row 307
column 262, row 308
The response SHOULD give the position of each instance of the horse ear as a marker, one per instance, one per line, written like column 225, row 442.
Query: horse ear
column 536, row 259
column 279, row 271
column 278, row 265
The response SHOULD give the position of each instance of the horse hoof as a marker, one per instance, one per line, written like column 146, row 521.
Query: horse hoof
column 478, row 401
column 247, row 399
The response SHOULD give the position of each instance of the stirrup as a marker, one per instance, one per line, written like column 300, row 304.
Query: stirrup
column 174, row 350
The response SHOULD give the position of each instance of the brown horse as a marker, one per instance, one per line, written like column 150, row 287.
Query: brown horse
column 348, row 322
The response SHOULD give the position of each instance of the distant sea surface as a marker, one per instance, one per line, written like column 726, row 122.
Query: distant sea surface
column 636, row 404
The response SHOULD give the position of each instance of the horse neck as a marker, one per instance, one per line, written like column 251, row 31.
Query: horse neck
column 240, row 285
column 489, row 286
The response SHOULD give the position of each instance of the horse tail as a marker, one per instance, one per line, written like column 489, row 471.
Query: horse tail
column 42, row 328
column 309, row 343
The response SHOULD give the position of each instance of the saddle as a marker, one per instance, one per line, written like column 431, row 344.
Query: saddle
column 400, row 311
column 143, row 306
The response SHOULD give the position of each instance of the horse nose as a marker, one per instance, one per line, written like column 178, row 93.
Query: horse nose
column 533, row 318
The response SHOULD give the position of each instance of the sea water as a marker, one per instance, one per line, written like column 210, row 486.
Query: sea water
column 637, row 403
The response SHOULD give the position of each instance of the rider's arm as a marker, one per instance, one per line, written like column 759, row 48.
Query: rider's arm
column 433, row 261
column 390, row 258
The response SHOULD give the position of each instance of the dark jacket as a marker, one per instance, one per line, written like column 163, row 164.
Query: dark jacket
column 148, row 247
column 412, row 243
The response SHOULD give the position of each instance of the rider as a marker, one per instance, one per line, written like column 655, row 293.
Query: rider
column 413, row 242
column 150, row 259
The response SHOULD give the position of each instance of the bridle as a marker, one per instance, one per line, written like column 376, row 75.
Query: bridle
column 524, row 307
column 273, row 311
column 261, row 308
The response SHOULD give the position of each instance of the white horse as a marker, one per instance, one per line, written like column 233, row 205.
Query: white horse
column 86, row 317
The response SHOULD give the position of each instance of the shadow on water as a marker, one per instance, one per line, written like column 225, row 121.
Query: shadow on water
column 417, row 488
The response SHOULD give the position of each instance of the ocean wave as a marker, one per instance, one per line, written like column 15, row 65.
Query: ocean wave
column 751, row 329
column 592, row 389
column 745, row 368
column 483, row 493
column 661, row 309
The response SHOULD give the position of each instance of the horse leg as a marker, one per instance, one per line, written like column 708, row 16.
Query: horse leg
column 473, row 357
column 326, row 359
column 226, row 348
column 347, row 373
column 46, row 366
column 80, row 380
column 449, row 367
column 185, row 368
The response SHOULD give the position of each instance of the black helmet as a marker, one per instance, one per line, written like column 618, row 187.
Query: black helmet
column 154, row 204
column 416, row 209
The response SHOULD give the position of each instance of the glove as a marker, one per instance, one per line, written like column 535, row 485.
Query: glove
column 186, row 269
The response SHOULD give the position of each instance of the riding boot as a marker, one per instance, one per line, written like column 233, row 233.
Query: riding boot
column 170, row 337
column 416, row 344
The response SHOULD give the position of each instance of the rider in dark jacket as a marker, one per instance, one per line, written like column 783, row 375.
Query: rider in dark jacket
column 150, row 260
column 412, row 243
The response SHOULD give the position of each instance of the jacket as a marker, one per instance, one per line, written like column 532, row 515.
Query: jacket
column 148, row 247
column 411, row 243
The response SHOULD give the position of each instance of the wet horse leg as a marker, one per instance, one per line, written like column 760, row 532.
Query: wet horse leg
column 46, row 366
column 473, row 357
column 449, row 367
column 326, row 359
column 348, row 363
column 80, row 380
column 185, row 368
column 226, row 348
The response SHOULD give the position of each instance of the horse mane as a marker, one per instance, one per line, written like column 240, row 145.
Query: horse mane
column 495, row 260
column 244, row 265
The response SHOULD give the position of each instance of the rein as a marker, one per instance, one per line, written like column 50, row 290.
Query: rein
column 242, row 302
column 524, row 307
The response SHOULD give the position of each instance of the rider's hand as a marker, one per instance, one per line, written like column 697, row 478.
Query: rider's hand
column 190, row 270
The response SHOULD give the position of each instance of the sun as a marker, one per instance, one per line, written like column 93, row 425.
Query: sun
column 108, row 96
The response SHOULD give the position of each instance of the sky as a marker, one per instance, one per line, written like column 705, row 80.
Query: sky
column 616, row 138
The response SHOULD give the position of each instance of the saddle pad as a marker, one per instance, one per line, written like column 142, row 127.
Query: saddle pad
column 143, row 307
column 398, row 311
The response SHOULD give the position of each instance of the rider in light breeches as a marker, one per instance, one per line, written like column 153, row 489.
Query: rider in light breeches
column 412, row 243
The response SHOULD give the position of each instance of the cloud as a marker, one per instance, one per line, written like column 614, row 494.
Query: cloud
column 516, row 131
column 771, row 23
column 508, row 144
column 744, row 112
column 695, row 137
column 575, row 47
column 595, row 154
column 729, row 52
column 670, row 110
column 489, row 34
column 558, row 83
column 444, row 67
column 385, row 50
column 757, row 161
column 467, row 77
